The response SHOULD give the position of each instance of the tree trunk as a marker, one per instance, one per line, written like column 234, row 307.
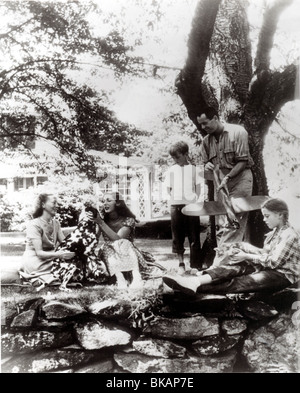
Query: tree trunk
column 218, row 72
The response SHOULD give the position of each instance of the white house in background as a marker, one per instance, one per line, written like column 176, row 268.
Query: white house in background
column 138, row 181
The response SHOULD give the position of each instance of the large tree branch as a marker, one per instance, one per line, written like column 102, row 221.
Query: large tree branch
column 200, row 36
column 286, row 131
column 15, row 28
column 231, row 49
column 280, row 90
column 267, row 33
column 189, row 81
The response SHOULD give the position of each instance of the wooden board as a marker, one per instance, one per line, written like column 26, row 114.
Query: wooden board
column 239, row 205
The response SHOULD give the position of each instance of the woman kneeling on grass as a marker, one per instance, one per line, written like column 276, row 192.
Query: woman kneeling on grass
column 43, row 234
column 274, row 267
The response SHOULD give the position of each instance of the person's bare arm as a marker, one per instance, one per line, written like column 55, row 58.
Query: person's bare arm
column 239, row 167
column 123, row 233
column 64, row 254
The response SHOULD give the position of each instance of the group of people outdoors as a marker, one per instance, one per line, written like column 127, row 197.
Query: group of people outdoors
column 249, row 269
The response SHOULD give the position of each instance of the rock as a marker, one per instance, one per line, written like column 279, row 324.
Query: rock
column 234, row 326
column 283, row 300
column 256, row 310
column 68, row 371
column 59, row 310
column 201, row 303
column 136, row 363
column 275, row 347
column 37, row 304
column 25, row 320
column 215, row 345
column 5, row 359
column 111, row 308
column 8, row 312
column 46, row 361
column 95, row 335
column 32, row 304
column 23, row 342
column 159, row 348
column 184, row 328
column 100, row 367
column 44, row 324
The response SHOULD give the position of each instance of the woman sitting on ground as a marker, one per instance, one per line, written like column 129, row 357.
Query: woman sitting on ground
column 274, row 267
column 117, row 224
column 43, row 234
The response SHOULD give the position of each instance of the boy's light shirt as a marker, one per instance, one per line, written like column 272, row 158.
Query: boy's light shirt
column 182, row 182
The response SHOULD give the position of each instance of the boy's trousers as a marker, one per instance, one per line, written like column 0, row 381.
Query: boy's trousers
column 181, row 227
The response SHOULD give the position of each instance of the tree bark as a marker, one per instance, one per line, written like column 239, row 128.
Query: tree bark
column 189, row 81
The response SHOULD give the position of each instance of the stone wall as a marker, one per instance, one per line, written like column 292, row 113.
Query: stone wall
column 100, row 330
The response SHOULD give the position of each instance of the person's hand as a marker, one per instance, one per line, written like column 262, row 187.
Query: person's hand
column 65, row 254
column 237, row 258
column 209, row 166
column 98, row 220
column 89, row 216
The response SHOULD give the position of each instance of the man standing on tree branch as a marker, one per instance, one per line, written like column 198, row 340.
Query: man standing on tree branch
column 226, row 146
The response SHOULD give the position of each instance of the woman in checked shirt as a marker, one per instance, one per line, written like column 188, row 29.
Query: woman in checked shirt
column 252, row 269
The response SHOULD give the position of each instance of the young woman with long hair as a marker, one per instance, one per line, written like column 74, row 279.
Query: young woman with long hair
column 252, row 269
column 117, row 224
column 43, row 234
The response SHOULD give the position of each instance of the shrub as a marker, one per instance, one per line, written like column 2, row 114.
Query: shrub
column 72, row 193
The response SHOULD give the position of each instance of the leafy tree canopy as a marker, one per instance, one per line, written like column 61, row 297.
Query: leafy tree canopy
column 43, row 45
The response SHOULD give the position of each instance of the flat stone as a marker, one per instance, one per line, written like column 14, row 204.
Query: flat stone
column 234, row 326
column 95, row 335
column 256, row 310
column 215, row 345
column 47, row 361
column 5, row 359
column 100, row 367
column 201, row 303
column 183, row 328
column 68, row 371
column 8, row 312
column 137, row 363
column 25, row 320
column 59, row 310
column 283, row 300
column 111, row 308
column 37, row 304
column 275, row 347
column 32, row 303
column 30, row 341
column 159, row 348
column 44, row 324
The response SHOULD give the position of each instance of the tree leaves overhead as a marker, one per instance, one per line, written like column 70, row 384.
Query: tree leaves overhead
column 39, row 96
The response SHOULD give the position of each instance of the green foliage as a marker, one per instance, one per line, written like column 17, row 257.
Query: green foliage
column 14, row 212
column 39, row 95
column 6, row 215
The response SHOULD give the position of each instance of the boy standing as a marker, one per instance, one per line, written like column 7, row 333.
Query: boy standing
column 183, row 183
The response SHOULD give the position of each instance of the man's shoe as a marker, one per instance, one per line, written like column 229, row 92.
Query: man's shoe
column 187, row 285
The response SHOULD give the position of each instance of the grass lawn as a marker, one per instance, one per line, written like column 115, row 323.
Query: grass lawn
column 12, row 250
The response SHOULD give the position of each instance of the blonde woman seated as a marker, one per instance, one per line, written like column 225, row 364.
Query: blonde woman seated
column 117, row 224
column 251, row 269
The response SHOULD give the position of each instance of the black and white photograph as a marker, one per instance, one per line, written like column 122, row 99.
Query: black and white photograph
column 149, row 189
